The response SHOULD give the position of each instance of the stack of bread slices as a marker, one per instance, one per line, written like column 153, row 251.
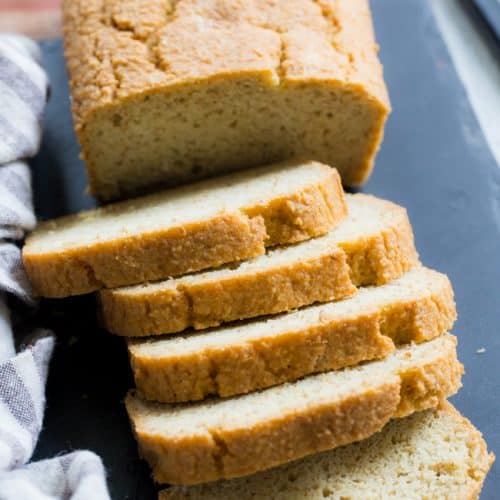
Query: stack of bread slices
column 270, row 317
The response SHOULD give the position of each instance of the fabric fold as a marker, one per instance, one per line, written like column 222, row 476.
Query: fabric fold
column 79, row 475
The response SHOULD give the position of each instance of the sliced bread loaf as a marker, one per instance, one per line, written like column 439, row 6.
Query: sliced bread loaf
column 373, row 245
column 184, row 230
column 167, row 91
column 216, row 439
column 436, row 454
column 242, row 358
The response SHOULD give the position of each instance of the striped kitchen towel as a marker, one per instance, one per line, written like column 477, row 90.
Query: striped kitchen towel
column 79, row 475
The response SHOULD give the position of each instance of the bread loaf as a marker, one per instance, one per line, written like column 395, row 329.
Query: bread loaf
column 169, row 91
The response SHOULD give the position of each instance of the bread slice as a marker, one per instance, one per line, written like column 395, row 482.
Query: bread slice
column 184, row 230
column 373, row 245
column 227, row 361
column 216, row 439
column 436, row 454
column 167, row 91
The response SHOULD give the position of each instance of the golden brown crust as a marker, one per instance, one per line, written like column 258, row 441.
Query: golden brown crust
column 422, row 319
column 119, row 53
column 226, row 237
column 211, row 303
column 264, row 362
column 217, row 454
column 313, row 211
column 137, row 259
column 386, row 256
column 425, row 386
column 480, row 460
column 373, row 260
column 243, row 366
column 115, row 49
column 390, row 450
column 310, row 212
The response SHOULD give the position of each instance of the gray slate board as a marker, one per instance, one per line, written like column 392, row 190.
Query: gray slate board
column 434, row 161
column 490, row 10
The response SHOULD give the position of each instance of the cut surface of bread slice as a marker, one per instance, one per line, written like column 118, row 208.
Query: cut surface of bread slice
column 435, row 454
column 184, row 230
column 372, row 246
column 220, row 439
column 234, row 360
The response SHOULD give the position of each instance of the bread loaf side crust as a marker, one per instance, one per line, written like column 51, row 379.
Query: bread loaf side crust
column 389, row 450
column 264, row 362
column 226, row 237
column 313, row 211
column 373, row 260
column 127, row 60
column 480, row 461
column 217, row 454
column 386, row 256
column 331, row 344
column 211, row 303
column 146, row 257
column 220, row 454
column 427, row 385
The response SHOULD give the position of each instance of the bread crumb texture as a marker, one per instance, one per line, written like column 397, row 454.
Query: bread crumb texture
column 226, row 438
column 372, row 246
column 436, row 454
column 242, row 358
column 183, row 230
column 168, row 91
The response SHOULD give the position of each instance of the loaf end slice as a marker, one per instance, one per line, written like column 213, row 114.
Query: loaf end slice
column 433, row 454
column 221, row 439
column 372, row 246
column 184, row 230
column 238, row 359
column 167, row 92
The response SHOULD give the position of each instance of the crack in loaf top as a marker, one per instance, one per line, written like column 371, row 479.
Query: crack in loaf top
column 116, row 49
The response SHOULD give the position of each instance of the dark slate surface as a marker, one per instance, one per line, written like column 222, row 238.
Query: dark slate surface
column 434, row 161
column 490, row 9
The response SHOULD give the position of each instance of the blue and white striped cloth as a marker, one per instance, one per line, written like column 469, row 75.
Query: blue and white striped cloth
column 79, row 475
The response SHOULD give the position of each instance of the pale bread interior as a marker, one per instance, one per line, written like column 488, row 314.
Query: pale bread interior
column 251, row 409
column 416, row 283
column 432, row 454
column 367, row 217
column 176, row 207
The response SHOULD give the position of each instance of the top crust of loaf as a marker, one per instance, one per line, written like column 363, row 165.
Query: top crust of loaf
column 434, row 454
column 183, row 230
column 117, row 49
column 169, row 91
